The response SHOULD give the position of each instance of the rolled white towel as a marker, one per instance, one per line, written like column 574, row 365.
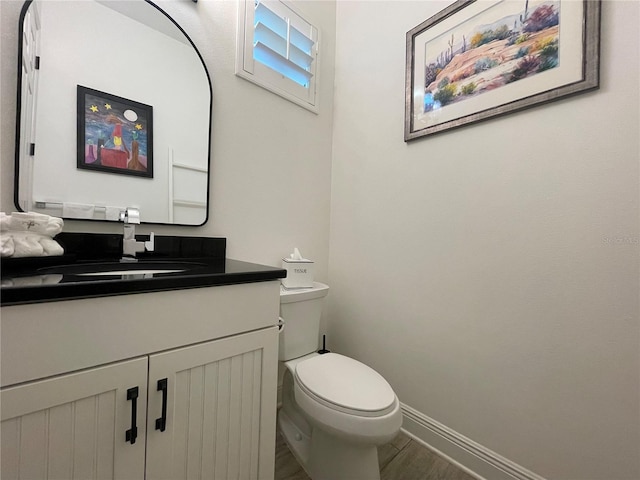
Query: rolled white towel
column 6, row 246
column 5, row 222
column 36, row 223
column 29, row 244
column 26, row 244
column 51, row 247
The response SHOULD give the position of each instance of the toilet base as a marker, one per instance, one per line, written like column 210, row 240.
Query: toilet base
column 332, row 458
column 328, row 457
column 298, row 442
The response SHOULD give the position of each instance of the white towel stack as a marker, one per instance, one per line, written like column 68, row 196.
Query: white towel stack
column 29, row 234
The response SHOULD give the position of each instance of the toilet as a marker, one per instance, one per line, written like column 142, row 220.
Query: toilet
column 335, row 410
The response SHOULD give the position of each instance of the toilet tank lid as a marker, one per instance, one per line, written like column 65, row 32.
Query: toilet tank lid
column 345, row 382
column 290, row 295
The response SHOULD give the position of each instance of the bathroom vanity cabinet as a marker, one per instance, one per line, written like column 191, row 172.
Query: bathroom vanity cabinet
column 170, row 384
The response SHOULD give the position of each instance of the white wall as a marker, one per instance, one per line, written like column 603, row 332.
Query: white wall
column 270, row 162
column 491, row 273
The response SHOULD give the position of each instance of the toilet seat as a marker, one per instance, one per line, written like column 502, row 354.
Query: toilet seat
column 345, row 385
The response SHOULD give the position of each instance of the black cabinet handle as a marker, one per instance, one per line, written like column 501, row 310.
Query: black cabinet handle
column 161, row 423
column 132, row 434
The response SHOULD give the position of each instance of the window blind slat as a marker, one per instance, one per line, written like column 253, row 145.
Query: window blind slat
column 277, row 62
column 277, row 24
column 300, row 40
column 269, row 35
column 300, row 58
column 275, row 42
column 271, row 39
column 269, row 18
column 279, row 45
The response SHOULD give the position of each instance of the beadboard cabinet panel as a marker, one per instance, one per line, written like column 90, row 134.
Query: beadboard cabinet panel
column 220, row 409
column 74, row 426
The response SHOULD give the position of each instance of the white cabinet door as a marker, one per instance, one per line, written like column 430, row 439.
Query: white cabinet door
column 220, row 409
column 74, row 426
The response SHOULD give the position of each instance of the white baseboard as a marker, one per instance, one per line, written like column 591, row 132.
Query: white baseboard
column 463, row 452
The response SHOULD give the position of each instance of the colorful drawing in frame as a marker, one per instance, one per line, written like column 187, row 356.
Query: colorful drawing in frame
column 115, row 135
column 476, row 60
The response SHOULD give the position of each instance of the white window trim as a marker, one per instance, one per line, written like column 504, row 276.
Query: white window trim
column 249, row 69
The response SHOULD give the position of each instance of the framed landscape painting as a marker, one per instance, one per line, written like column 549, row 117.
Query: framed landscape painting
column 479, row 59
column 115, row 135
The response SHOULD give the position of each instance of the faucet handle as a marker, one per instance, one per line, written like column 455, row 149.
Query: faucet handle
column 149, row 245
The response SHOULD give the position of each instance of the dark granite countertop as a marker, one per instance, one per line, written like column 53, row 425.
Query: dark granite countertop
column 47, row 279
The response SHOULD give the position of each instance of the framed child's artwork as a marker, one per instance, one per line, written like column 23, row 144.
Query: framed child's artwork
column 115, row 134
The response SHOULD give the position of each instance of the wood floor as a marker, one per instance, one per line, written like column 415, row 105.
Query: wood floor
column 400, row 459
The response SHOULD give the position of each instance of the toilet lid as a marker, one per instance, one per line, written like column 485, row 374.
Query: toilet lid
column 345, row 383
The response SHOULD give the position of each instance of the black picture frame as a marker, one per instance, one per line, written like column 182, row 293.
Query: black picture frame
column 115, row 134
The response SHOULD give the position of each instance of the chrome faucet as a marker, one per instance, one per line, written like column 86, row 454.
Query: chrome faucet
column 131, row 218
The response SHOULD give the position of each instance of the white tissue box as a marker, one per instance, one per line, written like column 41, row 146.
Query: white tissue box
column 299, row 273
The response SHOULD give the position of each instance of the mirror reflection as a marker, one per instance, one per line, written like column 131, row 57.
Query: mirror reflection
column 115, row 112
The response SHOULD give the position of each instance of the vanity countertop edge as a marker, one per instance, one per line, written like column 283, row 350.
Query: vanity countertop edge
column 21, row 285
column 235, row 272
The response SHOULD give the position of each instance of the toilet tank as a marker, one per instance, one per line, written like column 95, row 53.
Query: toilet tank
column 300, row 309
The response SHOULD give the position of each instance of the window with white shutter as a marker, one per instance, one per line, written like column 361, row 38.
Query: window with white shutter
column 278, row 50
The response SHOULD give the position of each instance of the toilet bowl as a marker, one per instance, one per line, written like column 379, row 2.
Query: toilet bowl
column 335, row 410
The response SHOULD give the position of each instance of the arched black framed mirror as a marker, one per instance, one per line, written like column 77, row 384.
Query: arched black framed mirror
column 114, row 111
